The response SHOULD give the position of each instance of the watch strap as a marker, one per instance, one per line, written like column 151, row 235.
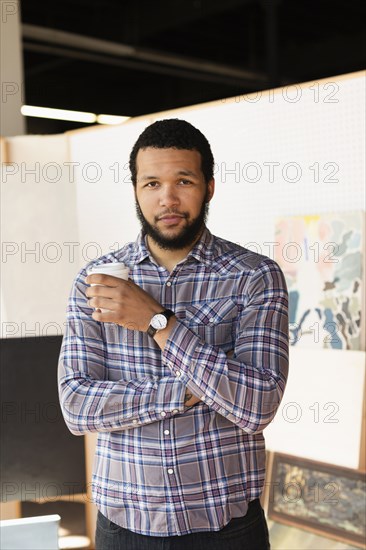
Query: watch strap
column 167, row 314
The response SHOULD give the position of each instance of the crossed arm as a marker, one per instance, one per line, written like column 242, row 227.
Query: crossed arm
column 246, row 388
column 161, row 338
column 132, row 306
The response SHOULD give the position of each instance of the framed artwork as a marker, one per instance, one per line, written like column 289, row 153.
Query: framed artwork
column 325, row 499
column 322, row 257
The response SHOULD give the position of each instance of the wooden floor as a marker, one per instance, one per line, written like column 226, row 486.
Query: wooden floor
column 284, row 537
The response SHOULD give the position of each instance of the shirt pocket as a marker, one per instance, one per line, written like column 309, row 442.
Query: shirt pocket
column 213, row 321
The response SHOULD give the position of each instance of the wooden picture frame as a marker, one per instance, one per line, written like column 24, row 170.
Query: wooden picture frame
column 325, row 499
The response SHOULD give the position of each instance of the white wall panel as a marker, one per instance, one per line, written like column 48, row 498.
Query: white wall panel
column 326, row 124
column 320, row 417
column 38, row 216
column 105, row 207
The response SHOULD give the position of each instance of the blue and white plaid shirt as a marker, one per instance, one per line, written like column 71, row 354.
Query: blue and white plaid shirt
column 162, row 468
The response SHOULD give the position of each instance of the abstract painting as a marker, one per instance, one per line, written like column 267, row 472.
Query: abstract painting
column 322, row 259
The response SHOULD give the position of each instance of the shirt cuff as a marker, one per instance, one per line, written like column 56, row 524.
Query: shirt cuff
column 180, row 355
column 169, row 397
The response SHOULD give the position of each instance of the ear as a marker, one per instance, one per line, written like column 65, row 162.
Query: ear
column 210, row 190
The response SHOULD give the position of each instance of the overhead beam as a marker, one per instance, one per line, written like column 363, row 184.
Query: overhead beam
column 130, row 64
column 141, row 58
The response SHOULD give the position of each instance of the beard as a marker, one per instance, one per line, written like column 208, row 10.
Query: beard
column 187, row 235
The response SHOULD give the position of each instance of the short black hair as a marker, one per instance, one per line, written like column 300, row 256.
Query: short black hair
column 177, row 134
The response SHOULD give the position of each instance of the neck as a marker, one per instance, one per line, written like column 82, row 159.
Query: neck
column 169, row 258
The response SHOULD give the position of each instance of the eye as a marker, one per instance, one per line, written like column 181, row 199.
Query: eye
column 185, row 182
column 152, row 184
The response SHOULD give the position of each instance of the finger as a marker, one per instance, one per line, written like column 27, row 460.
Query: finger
column 104, row 303
column 104, row 291
column 105, row 317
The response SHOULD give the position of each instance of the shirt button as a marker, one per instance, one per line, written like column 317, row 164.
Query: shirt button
column 175, row 411
column 167, row 432
column 178, row 373
column 212, row 320
column 163, row 413
column 169, row 283
column 134, row 421
column 170, row 471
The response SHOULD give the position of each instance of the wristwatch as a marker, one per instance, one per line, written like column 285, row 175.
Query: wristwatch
column 159, row 321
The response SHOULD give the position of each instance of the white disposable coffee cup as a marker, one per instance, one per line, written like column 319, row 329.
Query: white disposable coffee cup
column 116, row 269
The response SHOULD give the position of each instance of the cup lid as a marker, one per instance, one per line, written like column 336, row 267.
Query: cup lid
column 112, row 266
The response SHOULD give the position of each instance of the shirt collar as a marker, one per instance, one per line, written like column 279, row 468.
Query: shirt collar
column 140, row 250
column 203, row 250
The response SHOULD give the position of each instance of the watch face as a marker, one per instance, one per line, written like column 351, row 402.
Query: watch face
column 159, row 321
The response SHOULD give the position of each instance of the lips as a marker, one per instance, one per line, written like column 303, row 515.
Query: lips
column 170, row 219
column 171, row 216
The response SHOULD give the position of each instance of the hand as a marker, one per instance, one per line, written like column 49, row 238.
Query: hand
column 128, row 304
column 190, row 399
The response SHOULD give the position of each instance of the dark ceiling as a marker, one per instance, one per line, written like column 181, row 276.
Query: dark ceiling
column 156, row 55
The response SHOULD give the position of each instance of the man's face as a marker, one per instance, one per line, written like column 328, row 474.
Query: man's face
column 171, row 196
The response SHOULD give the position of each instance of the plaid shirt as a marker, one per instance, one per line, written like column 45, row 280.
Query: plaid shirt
column 162, row 468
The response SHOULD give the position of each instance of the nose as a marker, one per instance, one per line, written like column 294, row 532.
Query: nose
column 169, row 196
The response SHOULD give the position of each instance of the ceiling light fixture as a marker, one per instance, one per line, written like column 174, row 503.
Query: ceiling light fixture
column 111, row 119
column 72, row 116
column 58, row 114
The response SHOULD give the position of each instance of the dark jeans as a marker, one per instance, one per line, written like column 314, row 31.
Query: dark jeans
column 249, row 532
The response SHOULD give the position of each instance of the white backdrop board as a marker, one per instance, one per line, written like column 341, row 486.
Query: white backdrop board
column 320, row 416
column 104, row 191
column 293, row 150
column 38, row 225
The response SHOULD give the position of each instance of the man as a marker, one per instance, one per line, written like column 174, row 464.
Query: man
column 184, row 371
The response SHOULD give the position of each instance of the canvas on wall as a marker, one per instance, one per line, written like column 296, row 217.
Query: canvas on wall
column 322, row 259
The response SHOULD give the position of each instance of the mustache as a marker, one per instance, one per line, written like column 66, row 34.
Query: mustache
column 171, row 213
